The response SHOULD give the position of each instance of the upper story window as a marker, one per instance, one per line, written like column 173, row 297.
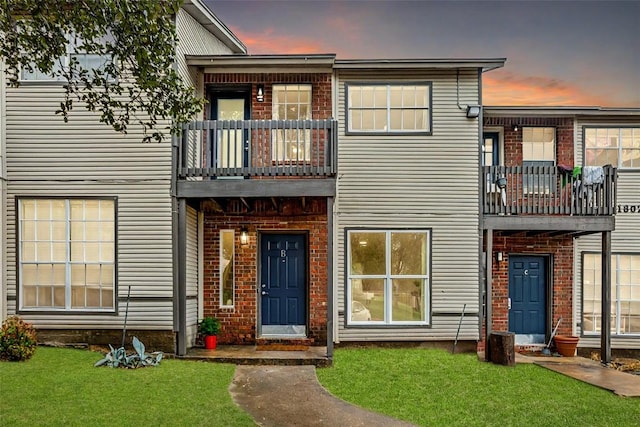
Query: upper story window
column 538, row 149
column 389, row 108
column 291, row 102
column 67, row 256
column 75, row 53
column 619, row 147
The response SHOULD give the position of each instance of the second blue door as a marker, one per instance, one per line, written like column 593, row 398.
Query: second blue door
column 283, row 279
column 527, row 291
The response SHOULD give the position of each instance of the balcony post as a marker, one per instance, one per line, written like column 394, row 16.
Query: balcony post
column 605, row 324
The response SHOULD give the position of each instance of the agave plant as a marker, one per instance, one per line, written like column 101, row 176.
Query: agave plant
column 118, row 358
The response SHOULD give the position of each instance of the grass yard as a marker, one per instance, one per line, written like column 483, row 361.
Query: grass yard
column 435, row 388
column 60, row 387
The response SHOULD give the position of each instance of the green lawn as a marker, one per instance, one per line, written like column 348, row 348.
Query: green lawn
column 60, row 387
column 435, row 388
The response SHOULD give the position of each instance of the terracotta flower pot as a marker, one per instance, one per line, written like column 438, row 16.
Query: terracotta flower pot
column 210, row 342
column 566, row 344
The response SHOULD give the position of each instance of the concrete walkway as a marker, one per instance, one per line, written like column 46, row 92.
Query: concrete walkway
column 589, row 371
column 285, row 396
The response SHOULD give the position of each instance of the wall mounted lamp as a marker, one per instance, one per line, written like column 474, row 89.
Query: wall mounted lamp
column 260, row 93
column 473, row 111
column 499, row 256
column 516, row 127
column 244, row 236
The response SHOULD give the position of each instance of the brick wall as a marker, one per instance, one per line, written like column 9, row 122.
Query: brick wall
column 561, row 251
column 513, row 139
column 320, row 90
column 239, row 324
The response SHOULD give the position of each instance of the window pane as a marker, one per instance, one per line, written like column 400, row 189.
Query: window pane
column 380, row 100
column 354, row 96
column 396, row 97
column 408, row 254
column 396, row 120
column 226, row 267
column 367, row 96
column 367, row 253
column 355, row 120
column 380, row 120
column 408, row 119
column 408, row 300
column 367, row 300
column 368, row 120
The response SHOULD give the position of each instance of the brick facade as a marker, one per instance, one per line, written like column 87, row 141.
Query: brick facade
column 559, row 250
column 293, row 215
column 239, row 324
column 320, row 90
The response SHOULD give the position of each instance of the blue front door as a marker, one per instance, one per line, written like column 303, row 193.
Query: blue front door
column 283, row 280
column 527, row 293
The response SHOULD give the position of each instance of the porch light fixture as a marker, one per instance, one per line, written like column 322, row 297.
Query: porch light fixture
column 499, row 256
column 473, row 111
column 516, row 127
column 244, row 236
column 260, row 93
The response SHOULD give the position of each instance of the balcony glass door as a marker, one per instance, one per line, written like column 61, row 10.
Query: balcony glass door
column 231, row 141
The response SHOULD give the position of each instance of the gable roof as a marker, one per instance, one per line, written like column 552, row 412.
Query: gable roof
column 205, row 17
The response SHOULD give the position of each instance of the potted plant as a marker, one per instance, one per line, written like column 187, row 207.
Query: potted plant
column 209, row 328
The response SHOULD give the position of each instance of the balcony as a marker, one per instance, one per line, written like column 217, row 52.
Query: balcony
column 548, row 198
column 257, row 158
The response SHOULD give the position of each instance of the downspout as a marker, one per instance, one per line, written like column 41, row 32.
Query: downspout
column 330, row 237
column 175, row 222
column 3, row 193
column 482, row 292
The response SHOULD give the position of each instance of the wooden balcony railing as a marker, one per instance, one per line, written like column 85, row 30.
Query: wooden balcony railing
column 548, row 190
column 257, row 148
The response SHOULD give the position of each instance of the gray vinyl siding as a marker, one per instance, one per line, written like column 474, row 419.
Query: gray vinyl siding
column 84, row 158
column 422, row 182
column 193, row 39
column 625, row 238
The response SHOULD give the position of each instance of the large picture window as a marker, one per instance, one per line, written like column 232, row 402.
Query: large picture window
column 619, row 147
column 67, row 254
column 389, row 108
column 291, row 102
column 625, row 294
column 388, row 277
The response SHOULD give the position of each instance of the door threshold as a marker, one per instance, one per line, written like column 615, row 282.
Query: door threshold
column 283, row 331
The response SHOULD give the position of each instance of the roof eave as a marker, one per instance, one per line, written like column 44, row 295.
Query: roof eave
column 205, row 17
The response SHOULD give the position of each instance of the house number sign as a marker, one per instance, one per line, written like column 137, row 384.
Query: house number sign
column 628, row 209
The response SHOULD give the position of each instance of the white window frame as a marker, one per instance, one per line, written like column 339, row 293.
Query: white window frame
column 222, row 265
column 73, row 48
column 548, row 159
column 388, row 109
column 66, row 259
column 618, row 323
column 596, row 133
column 388, row 280
column 291, row 145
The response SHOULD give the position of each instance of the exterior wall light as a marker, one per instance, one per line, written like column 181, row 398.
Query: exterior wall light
column 499, row 256
column 260, row 93
column 473, row 111
column 244, row 237
column 516, row 127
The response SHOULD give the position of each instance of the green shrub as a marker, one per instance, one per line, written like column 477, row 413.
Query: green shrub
column 17, row 339
column 209, row 326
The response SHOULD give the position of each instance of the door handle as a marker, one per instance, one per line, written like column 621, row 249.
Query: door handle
column 264, row 293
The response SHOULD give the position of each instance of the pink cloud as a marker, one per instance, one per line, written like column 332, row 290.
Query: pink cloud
column 507, row 88
column 269, row 41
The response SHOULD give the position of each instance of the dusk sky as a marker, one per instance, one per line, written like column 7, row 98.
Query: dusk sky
column 578, row 53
